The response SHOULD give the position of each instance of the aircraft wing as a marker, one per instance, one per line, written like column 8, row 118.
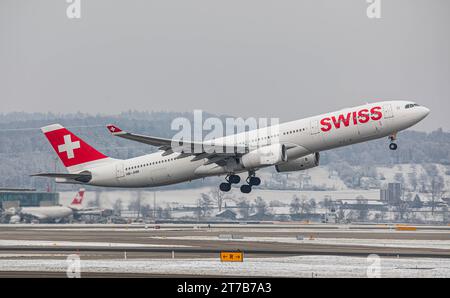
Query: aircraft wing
column 149, row 140
column 35, row 214
column 205, row 149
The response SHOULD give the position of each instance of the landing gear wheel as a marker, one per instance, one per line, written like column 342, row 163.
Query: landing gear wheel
column 245, row 188
column 234, row 179
column 254, row 181
column 393, row 146
column 225, row 186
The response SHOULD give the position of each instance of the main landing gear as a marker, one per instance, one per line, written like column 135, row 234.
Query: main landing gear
column 231, row 179
column 251, row 180
column 393, row 145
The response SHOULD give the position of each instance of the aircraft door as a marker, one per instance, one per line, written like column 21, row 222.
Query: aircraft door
column 120, row 172
column 387, row 111
column 314, row 129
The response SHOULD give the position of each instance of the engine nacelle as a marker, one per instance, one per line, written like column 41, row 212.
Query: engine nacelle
column 264, row 156
column 302, row 163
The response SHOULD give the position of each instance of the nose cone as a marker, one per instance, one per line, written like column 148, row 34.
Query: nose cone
column 423, row 112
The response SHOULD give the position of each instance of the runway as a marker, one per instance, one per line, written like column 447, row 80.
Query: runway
column 112, row 249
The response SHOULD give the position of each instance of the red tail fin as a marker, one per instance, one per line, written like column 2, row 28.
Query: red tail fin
column 78, row 200
column 71, row 149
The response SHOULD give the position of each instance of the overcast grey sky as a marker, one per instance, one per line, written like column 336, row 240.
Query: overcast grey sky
column 277, row 58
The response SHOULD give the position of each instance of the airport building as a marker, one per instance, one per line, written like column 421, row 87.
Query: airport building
column 392, row 194
column 26, row 198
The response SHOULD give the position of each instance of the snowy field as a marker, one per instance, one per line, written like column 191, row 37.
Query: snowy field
column 439, row 244
column 44, row 243
column 300, row 266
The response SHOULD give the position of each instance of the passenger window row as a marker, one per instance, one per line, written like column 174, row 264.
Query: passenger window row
column 149, row 164
column 262, row 138
column 294, row 131
column 276, row 135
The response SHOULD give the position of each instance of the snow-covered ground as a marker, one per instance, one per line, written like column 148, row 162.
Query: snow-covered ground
column 440, row 244
column 414, row 170
column 77, row 244
column 300, row 266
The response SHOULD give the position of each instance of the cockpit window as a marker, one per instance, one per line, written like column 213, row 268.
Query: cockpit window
column 411, row 105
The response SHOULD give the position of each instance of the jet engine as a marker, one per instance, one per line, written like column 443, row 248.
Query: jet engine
column 264, row 156
column 302, row 163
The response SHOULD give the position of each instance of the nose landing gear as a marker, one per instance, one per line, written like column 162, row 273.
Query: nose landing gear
column 393, row 145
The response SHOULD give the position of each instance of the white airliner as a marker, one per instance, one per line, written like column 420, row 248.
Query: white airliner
column 49, row 213
column 291, row 146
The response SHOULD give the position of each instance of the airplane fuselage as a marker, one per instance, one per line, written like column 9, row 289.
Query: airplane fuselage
column 302, row 137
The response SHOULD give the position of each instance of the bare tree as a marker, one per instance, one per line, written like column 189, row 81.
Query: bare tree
column 437, row 189
column 305, row 207
column 204, row 206
column 243, row 207
column 146, row 211
column 445, row 215
column 164, row 213
column 402, row 209
column 218, row 197
column 118, row 207
column 295, row 205
column 363, row 209
column 340, row 215
column 312, row 205
column 327, row 203
column 261, row 207
column 398, row 177
column 413, row 180
column 135, row 206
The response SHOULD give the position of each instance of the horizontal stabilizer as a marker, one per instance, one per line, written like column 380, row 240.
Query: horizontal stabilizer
column 81, row 177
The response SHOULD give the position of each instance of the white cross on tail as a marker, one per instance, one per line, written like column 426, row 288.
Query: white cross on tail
column 68, row 146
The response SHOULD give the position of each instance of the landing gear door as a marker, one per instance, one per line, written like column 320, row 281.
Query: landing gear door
column 314, row 127
column 120, row 172
column 387, row 111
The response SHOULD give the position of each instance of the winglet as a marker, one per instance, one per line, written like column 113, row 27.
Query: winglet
column 114, row 129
